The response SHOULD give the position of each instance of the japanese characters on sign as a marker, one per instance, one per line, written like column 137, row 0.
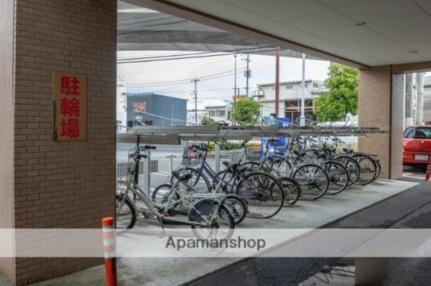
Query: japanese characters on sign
column 70, row 105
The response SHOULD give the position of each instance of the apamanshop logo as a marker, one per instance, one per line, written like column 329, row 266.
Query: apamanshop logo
column 232, row 243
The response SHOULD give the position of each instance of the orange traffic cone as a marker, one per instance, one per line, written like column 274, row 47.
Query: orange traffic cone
column 109, row 251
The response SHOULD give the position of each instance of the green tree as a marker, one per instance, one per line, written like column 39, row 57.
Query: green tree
column 245, row 111
column 207, row 120
column 342, row 97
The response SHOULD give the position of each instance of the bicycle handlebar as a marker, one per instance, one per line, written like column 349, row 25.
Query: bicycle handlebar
column 201, row 147
column 148, row 147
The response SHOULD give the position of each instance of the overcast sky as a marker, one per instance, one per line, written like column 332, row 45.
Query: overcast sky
column 158, row 76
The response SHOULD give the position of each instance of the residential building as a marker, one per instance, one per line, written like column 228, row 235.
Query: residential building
column 290, row 98
column 219, row 110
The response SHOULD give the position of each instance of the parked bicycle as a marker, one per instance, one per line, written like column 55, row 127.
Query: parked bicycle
column 208, row 212
column 262, row 193
column 312, row 179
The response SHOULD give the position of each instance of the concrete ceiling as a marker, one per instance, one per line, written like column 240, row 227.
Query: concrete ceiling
column 140, row 28
column 368, row 32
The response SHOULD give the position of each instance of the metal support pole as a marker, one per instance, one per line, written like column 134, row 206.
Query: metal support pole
column 217, row 157
column 147, row 172
column 277, row 82
column 171, row 164
column 302, row 118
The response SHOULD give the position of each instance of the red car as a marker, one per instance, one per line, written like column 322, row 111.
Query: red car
column 417, row 145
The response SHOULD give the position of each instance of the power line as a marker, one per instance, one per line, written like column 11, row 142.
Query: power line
column 173, row 66
column 257, row 48
column 193, row 56
column 186, row 81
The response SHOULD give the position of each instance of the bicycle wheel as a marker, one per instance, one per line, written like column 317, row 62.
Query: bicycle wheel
column 237, row 208
column 368, row 168
column 313, row 180
column 292, row 190
column 262, row 193
column 352, row 167
column 125, row 214
column 217, row 216
column 280, row 167
column 338, row 176
column 379, row 168
column 199, row 182
column 161, row 195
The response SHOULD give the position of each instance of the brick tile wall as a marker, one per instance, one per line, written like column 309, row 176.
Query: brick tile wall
column 374, row 111
column 63, row 184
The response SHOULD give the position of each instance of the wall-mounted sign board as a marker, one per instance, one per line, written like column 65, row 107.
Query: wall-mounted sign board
column 69, row 107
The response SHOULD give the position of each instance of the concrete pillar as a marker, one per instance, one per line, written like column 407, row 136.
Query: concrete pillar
column 44, row 183
column 375, row 111
column 7, row 266
column 409, row 99
column 397, row 128
column 420, row 98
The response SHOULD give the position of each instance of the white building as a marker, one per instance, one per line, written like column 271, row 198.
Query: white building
column 290, row 98
column 216, row 109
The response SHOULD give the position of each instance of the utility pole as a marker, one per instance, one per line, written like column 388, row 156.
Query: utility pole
column 235, row 81
column 195, row 93
column 247, row 75
column 277, row 82
column 302, row 118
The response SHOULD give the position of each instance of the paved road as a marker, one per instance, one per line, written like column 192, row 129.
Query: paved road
column 414, row 172
column 409, row 209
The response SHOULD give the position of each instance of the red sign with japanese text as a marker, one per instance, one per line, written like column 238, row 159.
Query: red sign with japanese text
column 70, row 107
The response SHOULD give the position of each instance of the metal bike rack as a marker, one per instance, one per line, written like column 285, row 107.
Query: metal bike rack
column 174, row 135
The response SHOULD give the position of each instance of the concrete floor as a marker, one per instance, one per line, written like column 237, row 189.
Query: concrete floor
column 307, row 214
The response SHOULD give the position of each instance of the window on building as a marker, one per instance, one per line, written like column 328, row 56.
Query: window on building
column 221, row 113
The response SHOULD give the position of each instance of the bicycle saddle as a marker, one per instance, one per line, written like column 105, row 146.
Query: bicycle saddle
column 182, row 176
column 298, row 153
column 275, row 158
column 234, row 166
